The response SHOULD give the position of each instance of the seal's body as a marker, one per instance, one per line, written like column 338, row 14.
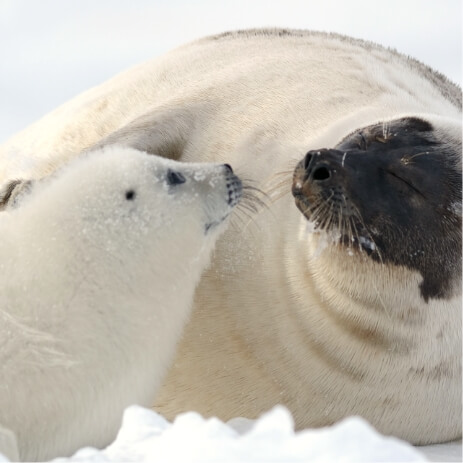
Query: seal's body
column 99, row 266
column 341, row 297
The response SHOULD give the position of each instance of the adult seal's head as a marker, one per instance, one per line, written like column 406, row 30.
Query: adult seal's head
column 391, row 191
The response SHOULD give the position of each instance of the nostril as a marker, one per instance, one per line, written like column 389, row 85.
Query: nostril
column 307, row 159
column 321, row 173
column 229, row 168
column 175, row 178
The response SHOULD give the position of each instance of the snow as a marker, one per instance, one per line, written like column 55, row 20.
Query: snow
column 147, row 436
column 367, row 243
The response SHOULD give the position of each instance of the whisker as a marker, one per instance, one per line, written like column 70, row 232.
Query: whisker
column 340, row 224
column 249, row 207
column 283, row 172
column 357, row 236
column 237, row 216
column 325, row 217
column 314, row 209
column 276, row 186
column 277, row 176
column 254, row 201
column 250, row 220
column 362, row 222
column 277, row 195
column 255, row 189
column 407, row 159
column 330, row 216
column 248, row 185
column 350, row 236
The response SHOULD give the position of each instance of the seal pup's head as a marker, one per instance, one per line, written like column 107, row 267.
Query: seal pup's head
column 391, row 191
column 117, row 185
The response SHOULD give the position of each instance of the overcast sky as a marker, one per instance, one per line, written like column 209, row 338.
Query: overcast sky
column 51, row 50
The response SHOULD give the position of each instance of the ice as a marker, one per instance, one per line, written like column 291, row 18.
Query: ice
column 367, row 243
column 324, row 238
column 147, row 436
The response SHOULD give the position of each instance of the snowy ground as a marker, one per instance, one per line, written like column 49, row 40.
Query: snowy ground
column 147, row 436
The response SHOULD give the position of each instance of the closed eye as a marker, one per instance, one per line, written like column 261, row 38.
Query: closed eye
column 405, row 181
column 362, row 142
column 363, row 145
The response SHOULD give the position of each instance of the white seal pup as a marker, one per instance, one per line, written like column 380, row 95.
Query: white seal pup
column 99, row 267
column 362, row 316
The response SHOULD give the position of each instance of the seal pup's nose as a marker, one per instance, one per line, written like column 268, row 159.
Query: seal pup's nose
column 175, row 178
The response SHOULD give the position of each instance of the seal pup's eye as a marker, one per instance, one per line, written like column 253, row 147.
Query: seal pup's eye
column 130, row 195
column 175, row 178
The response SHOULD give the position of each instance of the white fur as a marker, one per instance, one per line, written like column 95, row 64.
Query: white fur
column 273, row 323
column 95, row 290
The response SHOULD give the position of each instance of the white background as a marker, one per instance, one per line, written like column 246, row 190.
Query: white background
column 51, row 50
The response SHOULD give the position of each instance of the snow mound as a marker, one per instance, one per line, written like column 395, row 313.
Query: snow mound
column 147, row 436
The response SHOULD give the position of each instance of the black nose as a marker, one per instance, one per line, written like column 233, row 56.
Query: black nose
column 175, row 178
column 320, row 165
column 229, row 168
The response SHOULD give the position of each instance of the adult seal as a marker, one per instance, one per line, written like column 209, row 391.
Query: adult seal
column 343, row 295
column 99, row 266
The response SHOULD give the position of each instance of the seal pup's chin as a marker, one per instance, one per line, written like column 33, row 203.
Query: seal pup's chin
column 211, row 226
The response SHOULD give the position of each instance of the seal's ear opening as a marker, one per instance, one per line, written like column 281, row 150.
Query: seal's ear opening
column 12, row 191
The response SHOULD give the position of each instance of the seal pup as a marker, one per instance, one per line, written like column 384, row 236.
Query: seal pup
column 99, row 266
column 328, row 320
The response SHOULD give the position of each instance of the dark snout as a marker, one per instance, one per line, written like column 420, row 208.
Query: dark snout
column 319, row 167
column 322, row 165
